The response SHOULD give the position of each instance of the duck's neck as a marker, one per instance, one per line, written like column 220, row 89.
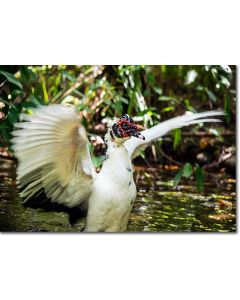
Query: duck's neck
column 113, row 143
column 117, row 162
column 115, row 147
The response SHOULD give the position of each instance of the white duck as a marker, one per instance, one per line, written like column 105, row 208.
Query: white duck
column 52, row 150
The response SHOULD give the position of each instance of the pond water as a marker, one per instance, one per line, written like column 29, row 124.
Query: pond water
column 159, row 206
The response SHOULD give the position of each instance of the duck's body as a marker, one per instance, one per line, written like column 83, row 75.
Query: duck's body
column 113, row 192
column 53, row 155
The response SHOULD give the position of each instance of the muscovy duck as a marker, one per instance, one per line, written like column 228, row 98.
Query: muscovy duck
column 53, row 155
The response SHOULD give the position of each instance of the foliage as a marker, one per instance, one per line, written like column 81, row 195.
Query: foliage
column 187, row 171
column 151, row 93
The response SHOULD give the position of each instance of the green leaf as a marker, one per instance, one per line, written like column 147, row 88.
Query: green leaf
column 178, row 177
column 199, row 178
column 44, row 89
column 124, row 100
column 4, row 126
column 98, row 160
column 214, row 131
column 142, row 154
column 177, row 138
column 165, row 98
column 118, row 107
column 16, row 92
column 191, row 76
column 189, row 106
column 5, row 134
column 30, row 102
column 8, row 103
column 211, row 96
column 11, row 78
column 26, row 73
column 158, row 90
column 225, row 81
column 226, row 68
column 168, row 108
column 12, row 115
column 227, row 108
column 187, row 170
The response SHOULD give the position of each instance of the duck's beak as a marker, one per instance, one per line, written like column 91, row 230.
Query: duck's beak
column 138, row 135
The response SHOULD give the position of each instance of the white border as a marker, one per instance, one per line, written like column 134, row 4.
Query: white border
column 119, row 266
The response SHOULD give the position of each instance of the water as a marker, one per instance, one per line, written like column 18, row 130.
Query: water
column 159, row 206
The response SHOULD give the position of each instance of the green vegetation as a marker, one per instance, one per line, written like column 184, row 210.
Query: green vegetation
column 152, row 93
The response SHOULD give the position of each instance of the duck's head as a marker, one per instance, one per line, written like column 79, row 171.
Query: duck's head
column 124, row 128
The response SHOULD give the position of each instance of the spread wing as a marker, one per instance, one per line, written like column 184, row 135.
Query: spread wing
column 52, row 150
column 135, row 145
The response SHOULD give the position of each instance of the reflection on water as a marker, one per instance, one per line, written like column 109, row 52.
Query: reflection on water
column 168, row 211
column 158, row 208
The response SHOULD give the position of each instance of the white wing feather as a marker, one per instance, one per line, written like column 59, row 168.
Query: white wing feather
column 134, row 145
column 52, row 150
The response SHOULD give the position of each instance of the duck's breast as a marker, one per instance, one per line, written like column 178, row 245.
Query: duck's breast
column 111, row 201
